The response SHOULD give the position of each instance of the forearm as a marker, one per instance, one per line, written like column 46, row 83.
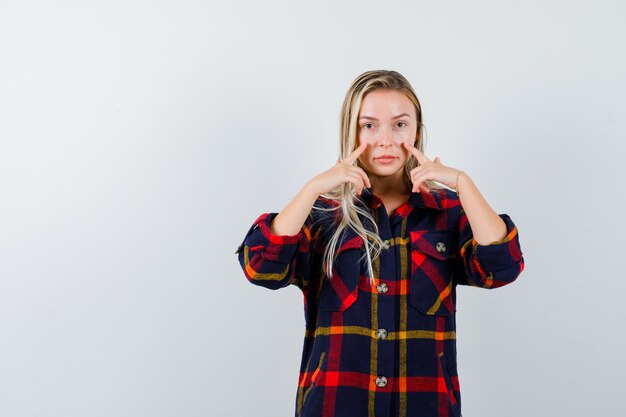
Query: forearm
column 487, row 226
column 291, row 219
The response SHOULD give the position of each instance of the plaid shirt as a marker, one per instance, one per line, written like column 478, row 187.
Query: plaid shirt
column 387, row 349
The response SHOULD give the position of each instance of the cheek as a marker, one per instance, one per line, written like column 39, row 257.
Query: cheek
column 365, row 137
column 406, row 136
column 367, row 155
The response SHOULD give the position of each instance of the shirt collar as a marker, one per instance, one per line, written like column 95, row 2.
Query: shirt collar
column 430, row 200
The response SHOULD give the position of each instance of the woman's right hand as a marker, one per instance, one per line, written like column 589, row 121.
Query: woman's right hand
column 343, row 172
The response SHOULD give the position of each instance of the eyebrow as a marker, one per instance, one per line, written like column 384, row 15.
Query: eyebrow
column 395, row 117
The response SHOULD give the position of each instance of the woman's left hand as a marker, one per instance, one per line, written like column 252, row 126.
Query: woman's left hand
column 429, row 170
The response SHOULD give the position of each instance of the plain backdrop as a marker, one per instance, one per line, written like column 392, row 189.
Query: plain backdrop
column 139, row 140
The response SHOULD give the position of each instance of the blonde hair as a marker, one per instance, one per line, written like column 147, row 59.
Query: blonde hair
column 344, row 196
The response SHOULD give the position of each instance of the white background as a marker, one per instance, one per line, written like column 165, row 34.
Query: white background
column 140, row 139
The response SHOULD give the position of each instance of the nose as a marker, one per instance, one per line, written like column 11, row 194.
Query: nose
column 384, row 138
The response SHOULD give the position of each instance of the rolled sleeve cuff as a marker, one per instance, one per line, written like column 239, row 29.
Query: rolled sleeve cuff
column 502, row 254
column 276, row 248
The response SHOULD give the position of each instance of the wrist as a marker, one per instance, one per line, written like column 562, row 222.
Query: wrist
column 310, row 190
column 461, row 181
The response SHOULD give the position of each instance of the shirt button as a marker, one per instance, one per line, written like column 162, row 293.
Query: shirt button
column 381, row 334
column 382, row 288
column 386, row 244
column 441, row 247
column 381, row 381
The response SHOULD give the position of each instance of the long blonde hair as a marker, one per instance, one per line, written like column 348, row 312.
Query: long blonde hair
column 345, row 195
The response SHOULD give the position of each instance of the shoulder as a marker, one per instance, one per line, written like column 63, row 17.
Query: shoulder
column 324, row 211
column 325, row 208
column 449, row 199
column 326, row 202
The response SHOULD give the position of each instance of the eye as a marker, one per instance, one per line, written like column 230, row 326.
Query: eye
column 367, row 124
column 402, row 123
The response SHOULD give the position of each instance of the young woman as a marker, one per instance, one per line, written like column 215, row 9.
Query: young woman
column 378, row 244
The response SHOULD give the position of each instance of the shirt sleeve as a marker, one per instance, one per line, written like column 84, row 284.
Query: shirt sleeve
column 276, row 261
column 489, row 266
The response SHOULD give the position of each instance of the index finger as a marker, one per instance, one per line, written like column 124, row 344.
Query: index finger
column 419, row 155
column 354, row 155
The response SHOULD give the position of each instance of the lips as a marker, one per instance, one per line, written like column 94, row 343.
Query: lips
column 386, row 157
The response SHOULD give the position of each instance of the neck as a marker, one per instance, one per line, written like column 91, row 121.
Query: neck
column 389, row 185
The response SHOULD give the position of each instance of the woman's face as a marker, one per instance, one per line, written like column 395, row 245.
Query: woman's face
column 386, row 119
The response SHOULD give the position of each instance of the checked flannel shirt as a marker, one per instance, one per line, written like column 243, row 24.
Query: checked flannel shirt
column 387, row 349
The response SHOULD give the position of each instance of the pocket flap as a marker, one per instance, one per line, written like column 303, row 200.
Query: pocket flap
column 439, row 244
column 342, row 290
column 432, row 263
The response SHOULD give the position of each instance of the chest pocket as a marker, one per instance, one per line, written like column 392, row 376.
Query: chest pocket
column 433, row 254
column 342, row 290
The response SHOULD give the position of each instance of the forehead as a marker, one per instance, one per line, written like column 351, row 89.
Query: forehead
column 386, row 104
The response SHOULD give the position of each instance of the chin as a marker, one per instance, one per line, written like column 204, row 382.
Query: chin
column 385, row 172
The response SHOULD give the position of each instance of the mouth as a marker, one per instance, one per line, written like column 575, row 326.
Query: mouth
column 385, row 160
